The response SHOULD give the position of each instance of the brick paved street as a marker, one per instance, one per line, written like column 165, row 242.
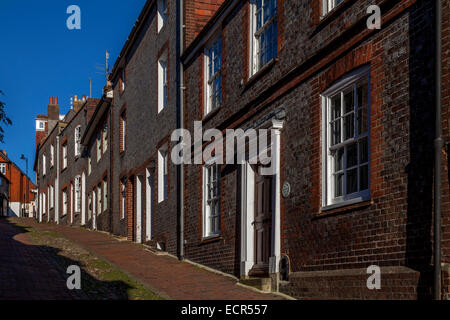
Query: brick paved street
column 28, row 271
column 165, row 275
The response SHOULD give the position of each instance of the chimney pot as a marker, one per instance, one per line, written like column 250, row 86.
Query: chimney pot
column 51, row 100
column 56, row 100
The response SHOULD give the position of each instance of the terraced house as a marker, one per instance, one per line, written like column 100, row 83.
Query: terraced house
column 355, row 139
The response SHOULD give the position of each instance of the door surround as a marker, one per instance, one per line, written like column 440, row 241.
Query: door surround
column 248, row 208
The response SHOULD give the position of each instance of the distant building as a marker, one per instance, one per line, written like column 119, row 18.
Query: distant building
column 20, row 196
column 4, row 195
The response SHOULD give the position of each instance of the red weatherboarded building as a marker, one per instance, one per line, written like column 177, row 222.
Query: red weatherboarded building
column 21, row 201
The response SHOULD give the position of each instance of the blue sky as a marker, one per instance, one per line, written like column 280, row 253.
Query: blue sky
column 40, row 58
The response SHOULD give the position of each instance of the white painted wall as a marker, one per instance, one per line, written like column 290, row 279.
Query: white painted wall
column 14, row 209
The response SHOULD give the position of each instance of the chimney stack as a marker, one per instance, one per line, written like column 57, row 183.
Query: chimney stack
column 53, row 113
column 78, row 103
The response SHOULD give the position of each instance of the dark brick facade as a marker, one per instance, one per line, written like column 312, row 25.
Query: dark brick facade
column 329, row 250
column 100, row 174
column 44, row 181
column 76, row 164
column 393, row 229
column 146, row 129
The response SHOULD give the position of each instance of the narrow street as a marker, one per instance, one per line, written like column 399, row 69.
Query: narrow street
column 34, row 259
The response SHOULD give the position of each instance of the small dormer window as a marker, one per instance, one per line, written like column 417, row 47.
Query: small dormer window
column 123, row 80
column 162, row 13
column 3, row 168
column 329, row 5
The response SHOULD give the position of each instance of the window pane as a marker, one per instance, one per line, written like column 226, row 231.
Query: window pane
column 363, row 120
column 348, row 102
column 352, row 155
column 349, row 126
column 363, row 151
column 216, row 223
column 274, row 40
column 352, row 181
column 362, row 94
column 339, row 185
column 335, row 107
column 336, row 132
column 339, row 160
column 364, row 177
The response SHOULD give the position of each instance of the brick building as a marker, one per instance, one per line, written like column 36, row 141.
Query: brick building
column 95, row 180
column 352, row 144
column 144, row 113
column 60, row 161
column 350, row 115
column 4, row 195
column 20, row 194
column 73, row 162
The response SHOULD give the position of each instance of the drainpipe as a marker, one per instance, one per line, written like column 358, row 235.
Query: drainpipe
column 180, row 120
column 56, row 189
column 110, row 178
column 439, row 144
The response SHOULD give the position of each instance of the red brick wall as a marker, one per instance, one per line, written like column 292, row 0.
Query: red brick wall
column 197, row 14
column 393, row 229
column 445, row 153
column 130, row 210
column 397, row 283
column 446, row 131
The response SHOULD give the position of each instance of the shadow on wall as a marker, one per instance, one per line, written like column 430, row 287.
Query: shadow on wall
column 12, row 213
column 30, row 272
column 420, row 170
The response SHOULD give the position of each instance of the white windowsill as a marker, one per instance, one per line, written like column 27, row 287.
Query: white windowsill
column 345, row 203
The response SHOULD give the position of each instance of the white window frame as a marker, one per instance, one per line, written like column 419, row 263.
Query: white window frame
column 44, row 207
column 99, row 146
column 65, row 202
column 44, row 164
column 89, row 165
column 123, row 120
column 211, row 77
column 163, row 173
column 99, row 199
column 162, row 14
column 52, row 156
column 255, row 35
column 163, row 84
column 64, row 151
column 3, row 168
column 77, row 194
column 52, row 197
column 77, row 137
column 329, row 5
column 105, row 194
column 347, row 83
column 123, row 78
column 105, row 137
column 123, row 197
column 94, row 201
column 71, row 201
column 208, row 202
column 90, row 206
